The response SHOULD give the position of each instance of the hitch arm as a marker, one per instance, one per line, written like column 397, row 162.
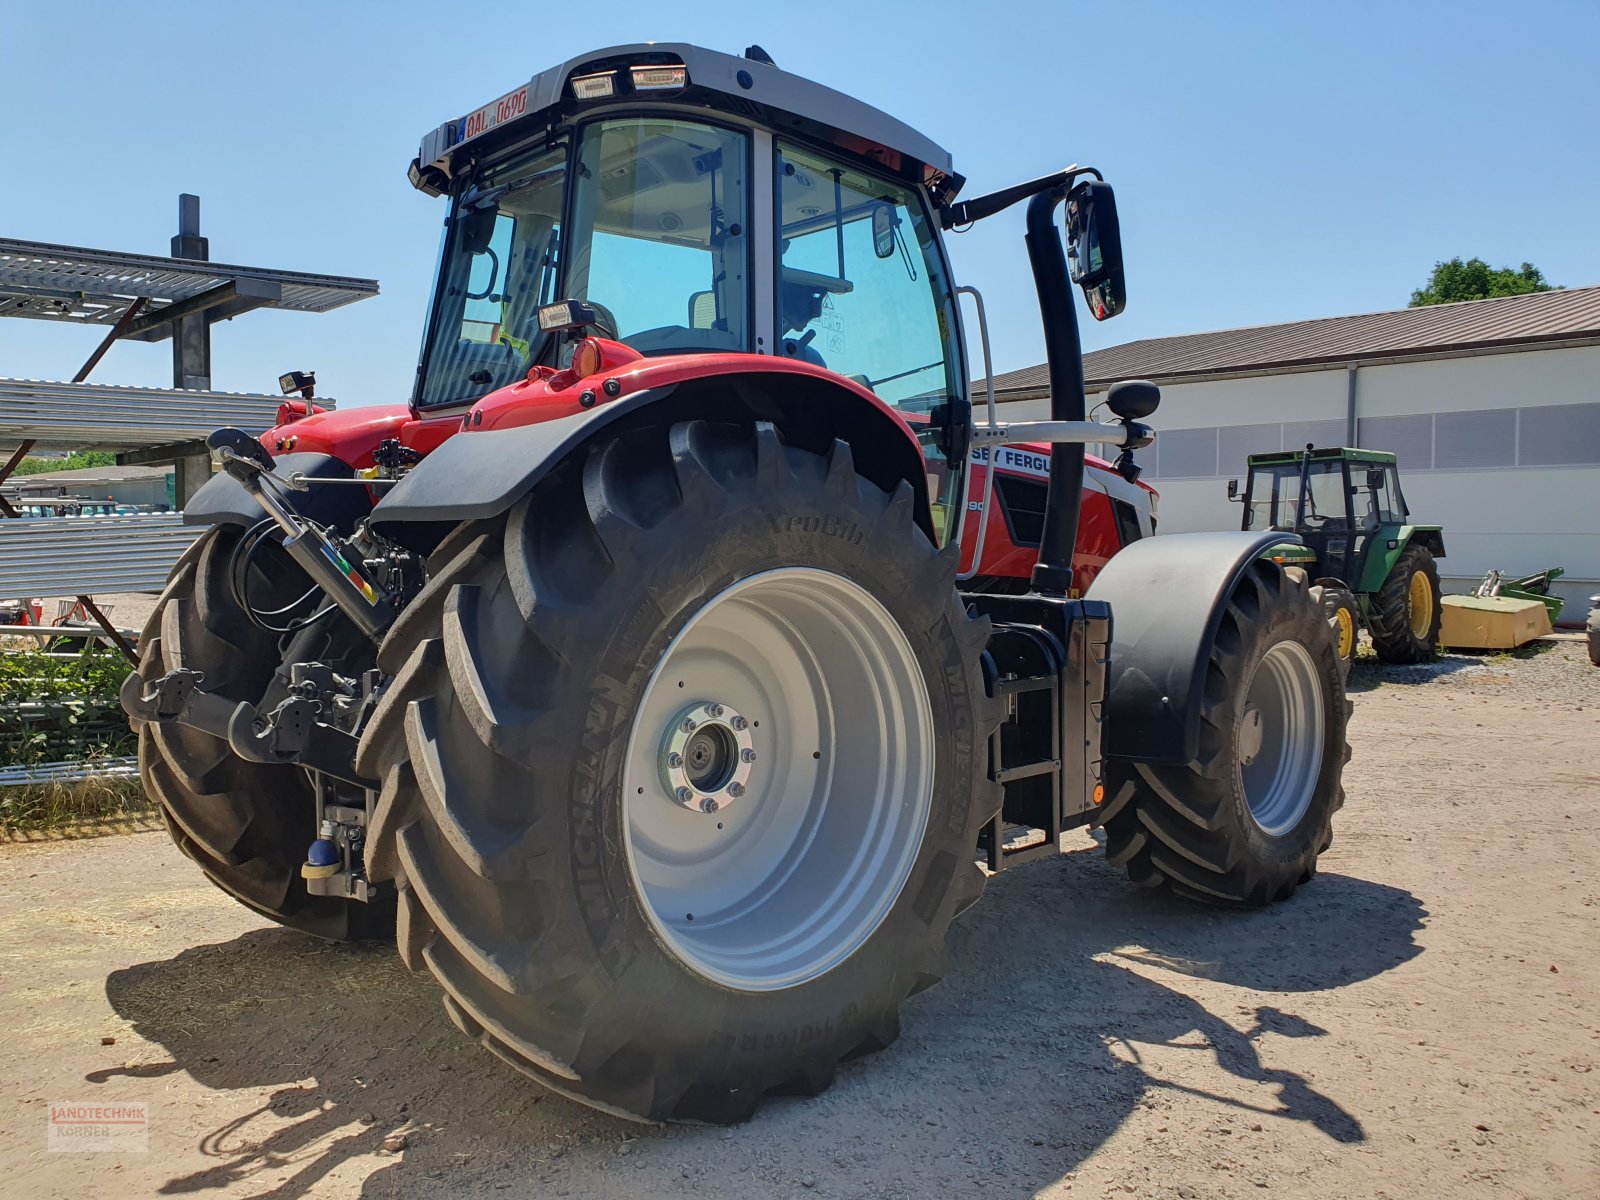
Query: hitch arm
column 318, row 555
column 290, row 733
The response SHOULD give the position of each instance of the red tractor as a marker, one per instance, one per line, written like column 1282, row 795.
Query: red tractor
column 624, row 677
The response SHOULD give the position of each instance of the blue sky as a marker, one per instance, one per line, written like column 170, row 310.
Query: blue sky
column 1273, row 161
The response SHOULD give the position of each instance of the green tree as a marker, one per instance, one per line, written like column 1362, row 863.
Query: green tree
column 76, row 461
column 1475, row 279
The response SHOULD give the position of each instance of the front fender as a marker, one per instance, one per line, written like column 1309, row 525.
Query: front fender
column 222, row 499
column 1167, row 596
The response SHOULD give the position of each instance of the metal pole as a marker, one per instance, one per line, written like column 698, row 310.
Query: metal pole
column 191, row 347
column 1350, row 408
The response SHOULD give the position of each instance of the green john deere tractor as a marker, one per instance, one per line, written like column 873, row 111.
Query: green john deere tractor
column 1367, row 562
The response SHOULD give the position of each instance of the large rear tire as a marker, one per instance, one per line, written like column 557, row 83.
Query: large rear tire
column 246, row 825
column 1405, row 615
column 683, row 768
column 1244, row 822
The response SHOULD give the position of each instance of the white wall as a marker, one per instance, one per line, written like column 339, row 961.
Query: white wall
column 1520, row 519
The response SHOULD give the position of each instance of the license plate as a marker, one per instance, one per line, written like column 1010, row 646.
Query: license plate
column 508, row 108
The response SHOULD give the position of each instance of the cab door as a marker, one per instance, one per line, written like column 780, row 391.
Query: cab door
column 864, row 291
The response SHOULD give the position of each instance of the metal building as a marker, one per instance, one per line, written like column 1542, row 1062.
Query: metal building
column 1493, row 407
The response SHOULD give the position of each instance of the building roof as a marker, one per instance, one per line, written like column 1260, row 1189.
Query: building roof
column 1439, row 330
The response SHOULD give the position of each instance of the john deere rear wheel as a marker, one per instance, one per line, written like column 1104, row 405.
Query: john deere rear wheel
column 1244, row 822
column 246, row 825
column 683, row 768
column 1404, row 616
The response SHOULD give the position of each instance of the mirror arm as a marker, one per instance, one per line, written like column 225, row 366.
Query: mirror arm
column 980, row 207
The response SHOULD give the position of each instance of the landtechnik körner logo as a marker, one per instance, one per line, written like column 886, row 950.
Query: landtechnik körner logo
column 119, row 1127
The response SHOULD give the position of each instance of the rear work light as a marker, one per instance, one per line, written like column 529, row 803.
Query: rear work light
column 658, row 79
column 595, row 87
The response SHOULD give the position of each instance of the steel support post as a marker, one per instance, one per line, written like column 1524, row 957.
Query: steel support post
column 191, row 347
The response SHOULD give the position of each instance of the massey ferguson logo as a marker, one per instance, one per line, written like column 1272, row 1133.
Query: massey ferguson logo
column 1009, row 458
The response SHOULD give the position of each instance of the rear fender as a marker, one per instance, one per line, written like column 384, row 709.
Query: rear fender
column 1388, row 544
column 482, row 473
column 222, row 500
column 1167, row 597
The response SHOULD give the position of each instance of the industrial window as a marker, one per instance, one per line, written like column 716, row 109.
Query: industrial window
column 1543, row 435
column 1551, row 435
column 1236, row 443
column 1187, row 453
column 1475, row 439
column 1409, row 439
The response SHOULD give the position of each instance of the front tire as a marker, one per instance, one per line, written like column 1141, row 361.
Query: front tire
column 1244, row 822
column 1338, row 606
column 1405, row 615
column 592, row 919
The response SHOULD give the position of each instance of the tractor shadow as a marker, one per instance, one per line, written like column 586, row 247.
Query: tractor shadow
column 1064, row 983
column 1367, row 673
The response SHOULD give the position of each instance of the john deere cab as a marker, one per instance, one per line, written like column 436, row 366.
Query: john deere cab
column 1354, row 537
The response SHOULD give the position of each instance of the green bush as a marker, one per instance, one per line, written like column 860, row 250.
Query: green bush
column 65, row 709
column 53, row 709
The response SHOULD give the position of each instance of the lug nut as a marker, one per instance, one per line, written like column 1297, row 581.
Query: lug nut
column 685, row 795
column 713, row 710
column 688, row 725
column 735, row 790
column 708, row 805
column 747, row 755
column 739, row 723
column 674, row 760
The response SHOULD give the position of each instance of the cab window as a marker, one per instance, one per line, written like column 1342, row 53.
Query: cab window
column 658, row 243
column 862, row 291
column 882, row 319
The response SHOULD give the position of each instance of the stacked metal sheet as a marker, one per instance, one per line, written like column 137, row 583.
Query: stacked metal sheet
column 92, row 416
column 69, row 556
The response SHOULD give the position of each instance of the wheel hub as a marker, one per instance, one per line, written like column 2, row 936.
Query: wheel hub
column 707, row 757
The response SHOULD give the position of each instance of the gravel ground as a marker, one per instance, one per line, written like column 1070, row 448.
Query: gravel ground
column 1423, row 1020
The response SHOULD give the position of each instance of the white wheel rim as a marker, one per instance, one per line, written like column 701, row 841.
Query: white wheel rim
column 1279, row 738
column 786, row 878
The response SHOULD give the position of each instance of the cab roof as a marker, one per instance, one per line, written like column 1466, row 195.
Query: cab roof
column 1325, row 454
column 750, row 86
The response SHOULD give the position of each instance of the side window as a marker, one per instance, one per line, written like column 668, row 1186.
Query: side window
column 882, row 321
column 862, row 291
column 658, row 233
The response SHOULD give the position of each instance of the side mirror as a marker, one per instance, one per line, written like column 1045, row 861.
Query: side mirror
column 1094, row 248
column 883, row 223
column 702, row 310
column 1233, row 489
column 477, row 228
column 1133, row 399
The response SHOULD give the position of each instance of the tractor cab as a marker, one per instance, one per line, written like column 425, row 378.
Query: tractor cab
column 685, row 224
column 1338, row 501
column 1352, row 535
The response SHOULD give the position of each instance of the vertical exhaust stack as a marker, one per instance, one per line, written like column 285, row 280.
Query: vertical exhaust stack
column 1052, row 574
